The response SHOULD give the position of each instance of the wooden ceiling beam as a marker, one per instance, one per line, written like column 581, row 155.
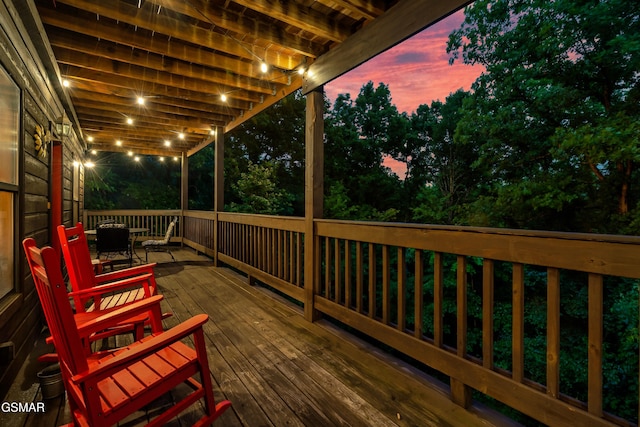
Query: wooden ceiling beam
column 148, row 19
column 304, row 18
column 120, row 116
column 243, row 25
column 138, row 148
column 69, row 49
column 120, row 70
column 144, row 151
column 86, row 90
column 67, row 31
column 109, row 134
column 154, row 88
column 370, row 8
column 125, row 106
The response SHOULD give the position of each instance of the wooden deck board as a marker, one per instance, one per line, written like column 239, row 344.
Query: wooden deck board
column 275, row 367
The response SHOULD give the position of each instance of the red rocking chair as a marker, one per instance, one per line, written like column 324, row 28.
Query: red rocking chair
column 83, row 319
column 75, row 249
column 105, row 388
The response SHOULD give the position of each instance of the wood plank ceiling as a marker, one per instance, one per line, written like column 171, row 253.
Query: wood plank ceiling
column 181, row 56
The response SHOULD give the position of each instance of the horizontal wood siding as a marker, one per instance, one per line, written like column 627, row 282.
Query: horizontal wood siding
column 20, row 315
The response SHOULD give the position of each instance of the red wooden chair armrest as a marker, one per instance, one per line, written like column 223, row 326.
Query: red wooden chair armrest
column 127, row 272
column 130, row 282
column 122, row 314
column 141, row 350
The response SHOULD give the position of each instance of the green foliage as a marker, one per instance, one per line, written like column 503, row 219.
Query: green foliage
column 119, row 182
column 358, row 135
column 555, row 116
column 259, row 193
column 201, row 180
column 276, row 137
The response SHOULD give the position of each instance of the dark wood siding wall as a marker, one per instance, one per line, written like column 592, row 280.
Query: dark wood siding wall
column 21, row 56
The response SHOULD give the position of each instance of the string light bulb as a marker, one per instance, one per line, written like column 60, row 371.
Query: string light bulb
column 140, row 100
column 264, row 67
column 129, row 121
column 223, row 97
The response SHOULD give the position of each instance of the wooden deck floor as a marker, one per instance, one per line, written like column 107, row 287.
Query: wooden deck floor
column 276, row 368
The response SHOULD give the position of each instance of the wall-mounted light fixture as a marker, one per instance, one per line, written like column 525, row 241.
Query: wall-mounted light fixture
column 63, row 126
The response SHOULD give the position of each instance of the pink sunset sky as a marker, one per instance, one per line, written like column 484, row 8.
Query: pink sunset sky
column 417, row 72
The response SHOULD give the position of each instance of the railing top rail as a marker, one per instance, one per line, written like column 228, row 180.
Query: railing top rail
column 600, row 254
column 611, row 238
column 288, row 223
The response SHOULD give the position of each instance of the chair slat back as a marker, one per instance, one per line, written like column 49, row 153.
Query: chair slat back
column 52, row 291
column 112, row 238
column 77, row 257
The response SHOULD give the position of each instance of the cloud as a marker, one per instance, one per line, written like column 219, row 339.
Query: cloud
column 417, row 70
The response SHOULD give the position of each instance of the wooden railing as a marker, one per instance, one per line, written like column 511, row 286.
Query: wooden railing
column 430, row 292
column 156, row 221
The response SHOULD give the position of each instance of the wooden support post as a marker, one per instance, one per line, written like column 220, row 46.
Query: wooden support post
column 184, row 183
column 314, row 189
column 218, row 188
column 460, row 393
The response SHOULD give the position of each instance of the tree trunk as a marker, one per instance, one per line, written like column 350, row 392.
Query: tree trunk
column 623, row 203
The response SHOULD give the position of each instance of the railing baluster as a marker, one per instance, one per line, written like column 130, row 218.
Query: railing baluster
column 461, row 341
column 300, row 258
column 438, row 295
column 402, row 308
column 518, row 323
column 553, row 332
column 327, row 267
column 595, row 344
column 280, row 256
column 347, row 274
column 386, row 284
column 291, row 256
column 372, row 280
column 337, row 271
column 359, row 283
column 487, row 312
column 418, row 302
